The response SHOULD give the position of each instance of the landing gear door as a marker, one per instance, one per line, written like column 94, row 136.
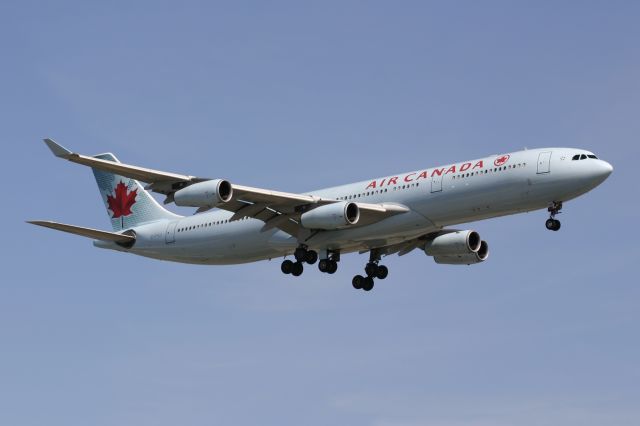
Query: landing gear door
column 544, row 162
column 436, row 183
column 170, row 236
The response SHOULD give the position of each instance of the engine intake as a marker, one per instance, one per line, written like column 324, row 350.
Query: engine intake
column 331, row 216
column 210, row 193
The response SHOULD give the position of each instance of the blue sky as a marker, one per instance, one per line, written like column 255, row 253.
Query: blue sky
column 295, row 96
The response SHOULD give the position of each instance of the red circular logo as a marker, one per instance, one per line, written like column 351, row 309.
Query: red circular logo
column 501, row 160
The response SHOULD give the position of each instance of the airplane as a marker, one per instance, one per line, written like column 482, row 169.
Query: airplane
column 396, row 214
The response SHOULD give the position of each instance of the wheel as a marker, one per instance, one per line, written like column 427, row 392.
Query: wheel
column 323, row 265
column 297, row 269
column 300, row 254
column 371, row 269
column 286, row 267
column 333, row 267
column 311, row 257
column 383, row 272
column 550, row 224
column 357, row 282
column 368, row 284
column 556, row 225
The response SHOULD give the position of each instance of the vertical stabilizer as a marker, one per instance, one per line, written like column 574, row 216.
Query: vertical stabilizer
column 128, row 203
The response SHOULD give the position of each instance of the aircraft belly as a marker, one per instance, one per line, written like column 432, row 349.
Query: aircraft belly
column 233, row 243
column 472, row 200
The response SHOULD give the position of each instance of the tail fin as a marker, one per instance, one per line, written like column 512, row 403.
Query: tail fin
column 128, row 203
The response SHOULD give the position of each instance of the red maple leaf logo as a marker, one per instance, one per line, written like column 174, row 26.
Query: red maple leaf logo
column 121, row 201
column 501, row 160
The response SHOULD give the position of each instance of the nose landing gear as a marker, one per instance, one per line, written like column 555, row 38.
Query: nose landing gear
column 552, row 223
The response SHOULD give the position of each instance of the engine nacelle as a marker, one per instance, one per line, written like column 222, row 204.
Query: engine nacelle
column 466, row 258
column 210, row 193
column 331, row 216
column 454, row 243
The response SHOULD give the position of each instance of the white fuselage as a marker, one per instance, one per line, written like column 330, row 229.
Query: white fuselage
column 437, row 197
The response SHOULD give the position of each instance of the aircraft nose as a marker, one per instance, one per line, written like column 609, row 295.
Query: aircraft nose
column 601, row 170
column 605, row 169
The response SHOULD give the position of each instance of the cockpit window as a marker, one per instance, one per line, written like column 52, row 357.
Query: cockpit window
column 583, row 157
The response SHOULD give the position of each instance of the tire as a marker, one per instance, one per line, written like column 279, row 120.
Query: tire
column 556, row 226
column 323, row 265
column 297, row 269
column 286, row 267
column 368, row 284
column 300, row 254
column 550, row 224
column 357, row 282
column 383, row 272
column 311, row 257
column 371, row 269
column 333, row 267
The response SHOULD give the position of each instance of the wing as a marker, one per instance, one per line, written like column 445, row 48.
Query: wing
column 277, row 209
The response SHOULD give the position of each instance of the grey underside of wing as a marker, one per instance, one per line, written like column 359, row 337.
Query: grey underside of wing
column 401, row 249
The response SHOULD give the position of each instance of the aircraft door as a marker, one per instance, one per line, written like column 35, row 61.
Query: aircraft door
column 170, row 235
column 544, row 162
column 436, row 183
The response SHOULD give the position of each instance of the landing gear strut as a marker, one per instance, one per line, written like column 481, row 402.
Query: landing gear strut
column 330, row 264
column 373, row 270
column 302, row 255
column 552, row 223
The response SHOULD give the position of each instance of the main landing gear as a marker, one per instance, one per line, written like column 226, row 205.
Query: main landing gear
column 330, row 264
column 302, row 255
column 373, row 270
column 552, row 223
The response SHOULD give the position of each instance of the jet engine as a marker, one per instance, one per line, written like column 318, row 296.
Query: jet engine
column 210, row 193
column 457, row 248
column 331, row 216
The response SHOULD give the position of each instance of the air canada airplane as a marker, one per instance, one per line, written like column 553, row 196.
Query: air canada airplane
column 387, row 215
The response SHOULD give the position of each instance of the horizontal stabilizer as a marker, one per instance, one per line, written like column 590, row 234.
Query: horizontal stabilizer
column 86, row 232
